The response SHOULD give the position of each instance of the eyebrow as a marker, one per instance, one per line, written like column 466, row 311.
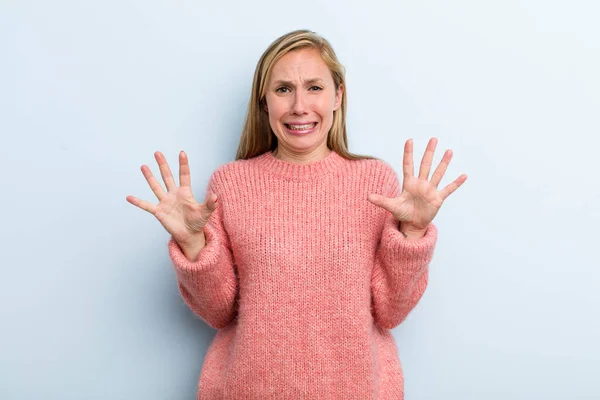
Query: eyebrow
column 289, row 83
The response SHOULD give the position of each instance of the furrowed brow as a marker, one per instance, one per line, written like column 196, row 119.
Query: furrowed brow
column 289, row 83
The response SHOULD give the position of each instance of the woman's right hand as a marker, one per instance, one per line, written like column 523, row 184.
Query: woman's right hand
column 177, row 210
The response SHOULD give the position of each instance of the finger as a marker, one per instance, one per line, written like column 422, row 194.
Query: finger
column 154, row 185
column 143, row 204
column 208, row 207
column 165, row 171
column 184, row 170
column 439, row 172
column 427, row 159
column 212, row 201
column 448, row 190
column 382, row 201
column 407, row 164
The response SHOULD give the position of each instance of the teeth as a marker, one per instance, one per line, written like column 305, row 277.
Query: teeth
column 301, row 127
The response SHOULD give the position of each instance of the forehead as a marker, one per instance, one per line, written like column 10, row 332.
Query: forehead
column 301, row 64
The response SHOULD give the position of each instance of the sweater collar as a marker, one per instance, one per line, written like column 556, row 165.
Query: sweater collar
column 269, row 163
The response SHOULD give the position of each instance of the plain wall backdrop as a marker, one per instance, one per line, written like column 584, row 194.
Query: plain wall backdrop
column 89, row 90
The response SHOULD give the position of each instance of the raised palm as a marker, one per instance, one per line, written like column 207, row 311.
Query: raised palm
column 419, row 201
column 178, row 211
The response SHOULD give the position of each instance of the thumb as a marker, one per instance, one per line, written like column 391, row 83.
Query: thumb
column 212, row 201
column 381, row 201
column 207, row 209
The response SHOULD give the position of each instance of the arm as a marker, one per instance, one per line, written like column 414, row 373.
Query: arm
column 209, row 286
column 401, row 268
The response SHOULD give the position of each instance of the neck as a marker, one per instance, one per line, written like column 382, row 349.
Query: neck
column 300, row 158
column 308, row 171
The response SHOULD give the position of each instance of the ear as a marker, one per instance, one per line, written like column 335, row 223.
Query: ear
column 338, row 97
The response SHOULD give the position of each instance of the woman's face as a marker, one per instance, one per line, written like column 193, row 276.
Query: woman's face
column 301, row 98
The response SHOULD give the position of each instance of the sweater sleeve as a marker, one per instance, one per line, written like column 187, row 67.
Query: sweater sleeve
column 209, row 286
column 401, row 268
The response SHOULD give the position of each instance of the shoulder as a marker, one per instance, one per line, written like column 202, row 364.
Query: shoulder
column 378, row 175
column 230, row 173
column 376, row 168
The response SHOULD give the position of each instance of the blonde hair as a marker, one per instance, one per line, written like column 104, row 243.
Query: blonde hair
column 257, row 136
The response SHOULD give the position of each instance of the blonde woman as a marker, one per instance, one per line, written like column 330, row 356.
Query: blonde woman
column 303, row 255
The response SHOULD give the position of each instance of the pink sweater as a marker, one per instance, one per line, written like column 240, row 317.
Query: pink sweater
column 303, row 277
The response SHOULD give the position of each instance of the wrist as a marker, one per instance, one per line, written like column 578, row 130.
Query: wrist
column 410, row 232
column 192, row 246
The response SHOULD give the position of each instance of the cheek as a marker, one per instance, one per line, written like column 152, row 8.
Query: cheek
column 325, row 107
column 276, row 109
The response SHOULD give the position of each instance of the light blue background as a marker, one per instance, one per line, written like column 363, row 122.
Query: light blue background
column 88, row 91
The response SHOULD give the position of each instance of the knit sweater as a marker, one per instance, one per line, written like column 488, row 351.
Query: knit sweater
column 303, row 278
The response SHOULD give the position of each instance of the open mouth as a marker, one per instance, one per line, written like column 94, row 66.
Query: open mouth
column 301, row 129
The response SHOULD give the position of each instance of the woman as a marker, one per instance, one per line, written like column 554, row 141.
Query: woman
column 303, row 255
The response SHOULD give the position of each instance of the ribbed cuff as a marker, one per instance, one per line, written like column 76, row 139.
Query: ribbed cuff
column 208, row 257
column 411, row 256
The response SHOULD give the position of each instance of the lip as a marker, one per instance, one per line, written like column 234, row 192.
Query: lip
column 300, row 133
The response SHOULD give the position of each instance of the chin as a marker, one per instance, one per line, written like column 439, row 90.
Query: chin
column 302, row 143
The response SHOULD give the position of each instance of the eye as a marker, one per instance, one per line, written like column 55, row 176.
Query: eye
column 316, row 88
column 281, row 89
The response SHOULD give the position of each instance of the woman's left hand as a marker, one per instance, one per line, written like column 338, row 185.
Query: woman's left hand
column 420, row 200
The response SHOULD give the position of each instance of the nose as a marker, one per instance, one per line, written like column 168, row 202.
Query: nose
column 299, row 104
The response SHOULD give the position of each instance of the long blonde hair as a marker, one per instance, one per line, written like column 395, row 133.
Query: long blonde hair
column 257, row 136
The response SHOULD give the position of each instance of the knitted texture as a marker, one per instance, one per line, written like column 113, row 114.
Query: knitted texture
column 303, row 278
